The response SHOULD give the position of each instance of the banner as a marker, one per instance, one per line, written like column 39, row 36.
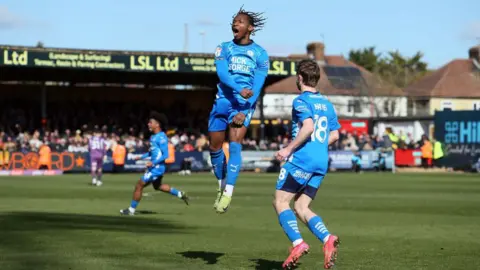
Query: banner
column 128, row 61
column 80, row 162
column 459, row 131
column 342, row 160
column 63, row 161
column 349, row 125
column 200, row 161
column 257, row 160
column 30, row 172
column 408, row 157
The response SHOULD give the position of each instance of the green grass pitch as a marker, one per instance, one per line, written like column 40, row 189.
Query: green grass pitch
column 385, row 221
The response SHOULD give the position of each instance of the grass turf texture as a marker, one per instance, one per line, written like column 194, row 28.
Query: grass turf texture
column 385, row 221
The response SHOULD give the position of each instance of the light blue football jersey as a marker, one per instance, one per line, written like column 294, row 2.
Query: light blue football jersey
column 244, row 63
column 312, row 156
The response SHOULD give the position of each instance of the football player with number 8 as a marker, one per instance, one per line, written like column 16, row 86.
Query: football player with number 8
column 315, row 127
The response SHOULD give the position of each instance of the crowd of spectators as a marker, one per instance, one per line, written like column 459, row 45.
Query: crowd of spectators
column 362, row 141
column 137, row 141
column 68, row 128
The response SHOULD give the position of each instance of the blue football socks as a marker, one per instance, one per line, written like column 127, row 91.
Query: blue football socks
column 316, row 226
column 218, row 163
column 234, row 166
column 133, row 206
column 288, row 221
column 175, row 192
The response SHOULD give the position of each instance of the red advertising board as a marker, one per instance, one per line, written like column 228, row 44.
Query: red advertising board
column 408, row 157
column 358, row 126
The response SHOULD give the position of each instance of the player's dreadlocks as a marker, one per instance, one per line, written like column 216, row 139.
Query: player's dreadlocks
column 255, row 19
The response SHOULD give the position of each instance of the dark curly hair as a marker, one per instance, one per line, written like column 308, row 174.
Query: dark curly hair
column 256, row 19
column 160, row 118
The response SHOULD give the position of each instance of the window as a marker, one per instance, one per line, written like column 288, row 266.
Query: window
column 386, row 107
column 354, row 106
column 389, row 106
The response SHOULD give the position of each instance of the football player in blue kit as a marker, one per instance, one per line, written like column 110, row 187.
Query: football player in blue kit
column 242, row 67
column 315, row 127
column 157, row 153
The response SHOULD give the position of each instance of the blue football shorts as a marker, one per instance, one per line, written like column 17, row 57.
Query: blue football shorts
column 295, row 180
column 154, row 174
column 223, row 112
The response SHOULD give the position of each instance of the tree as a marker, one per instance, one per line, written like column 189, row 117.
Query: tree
column 390, row 71
column 366, row 58
column 393, row 68
column 40, row 44
column 401, row 70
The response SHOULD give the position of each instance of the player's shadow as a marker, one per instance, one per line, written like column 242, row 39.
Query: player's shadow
column 146, row 212
column 262, row 264
column 208, row 257
column 37, row 221
column 23, row 233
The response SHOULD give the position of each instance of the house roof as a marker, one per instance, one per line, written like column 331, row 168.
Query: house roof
column 458, row 78
column 371, row 85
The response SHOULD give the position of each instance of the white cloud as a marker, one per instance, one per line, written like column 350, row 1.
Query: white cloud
column 9, row 20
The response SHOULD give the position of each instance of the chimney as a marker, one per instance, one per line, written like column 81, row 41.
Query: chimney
column 316, row 51
column 474, row 53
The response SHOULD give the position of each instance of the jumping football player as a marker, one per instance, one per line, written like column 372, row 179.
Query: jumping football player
column 158, row 153
column 315, row 126
column 97, row 148
column 242, row 67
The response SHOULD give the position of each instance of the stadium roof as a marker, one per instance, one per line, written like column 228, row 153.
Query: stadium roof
column 126, row 52
column 20, row 63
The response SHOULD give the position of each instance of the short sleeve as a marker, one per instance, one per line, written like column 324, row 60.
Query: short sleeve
column 163, row 140
column 333, row 123
column 301, row 110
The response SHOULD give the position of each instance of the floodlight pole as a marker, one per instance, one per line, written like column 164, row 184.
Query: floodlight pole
column 203, row 34
column 185, row 45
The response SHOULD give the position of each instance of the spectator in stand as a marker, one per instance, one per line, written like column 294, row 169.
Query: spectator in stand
column 201, row 143
column 187, row 147
column 35, row 142
column 350, row 143
column 368, row 145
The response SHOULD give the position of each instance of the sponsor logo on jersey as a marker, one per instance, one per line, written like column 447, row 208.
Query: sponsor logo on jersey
column 218, row 52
